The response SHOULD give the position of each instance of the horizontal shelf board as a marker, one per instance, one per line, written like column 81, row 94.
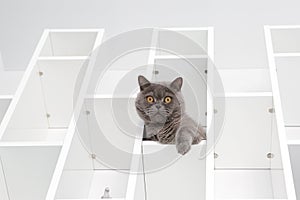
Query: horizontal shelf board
column 6, row 96
column 34, row 136
column 283, row 26
column 245, row 94
column 286, row 54
column 189, row 29
column 179, row 56
column 109, row 96
column 30, row 143
column 154, row 143
column 95, row 199
column 248, row 199
column 74, row 30
column 50, row 58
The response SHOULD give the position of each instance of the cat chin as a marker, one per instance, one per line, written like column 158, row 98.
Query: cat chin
column 158, row 118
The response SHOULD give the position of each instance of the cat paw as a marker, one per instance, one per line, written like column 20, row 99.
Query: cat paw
column 183, row 147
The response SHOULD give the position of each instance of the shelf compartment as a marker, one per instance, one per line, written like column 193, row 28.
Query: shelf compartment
column 249, row 184
column 27, row 171
column 38, row 118
column 288, row 81
column 68, row 43
column 188, row 42
column 118, row 83
column 194, row 89
column 286, row 40
column 245, row 80
column 45, row 106
column 253, row 130
column 100, row 153
column 90, row 184
column 58, row 83
column 182, row 177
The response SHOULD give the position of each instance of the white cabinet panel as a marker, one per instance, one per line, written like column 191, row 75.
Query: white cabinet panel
column 288, row 70
column 28, row 170
column 286, row 40
column 30, row 111
column 246, row 137
column 58, row 83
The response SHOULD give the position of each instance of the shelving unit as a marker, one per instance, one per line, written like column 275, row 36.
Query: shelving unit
column 74, row 144
column 34, row 127
column 99, row 153
column 252, row 167
column 283, row 47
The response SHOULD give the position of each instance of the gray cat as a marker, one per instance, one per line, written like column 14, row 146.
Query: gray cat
column 161, row 107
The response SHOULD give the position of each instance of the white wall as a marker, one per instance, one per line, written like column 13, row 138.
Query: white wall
column 238, row 24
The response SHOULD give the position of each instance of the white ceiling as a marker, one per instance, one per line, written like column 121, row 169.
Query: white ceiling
column 239, row 37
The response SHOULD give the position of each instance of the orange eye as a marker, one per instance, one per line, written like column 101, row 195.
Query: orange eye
column 150, row 99
column 167, row 99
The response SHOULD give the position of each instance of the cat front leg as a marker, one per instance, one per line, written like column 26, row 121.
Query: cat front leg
column 184, row 139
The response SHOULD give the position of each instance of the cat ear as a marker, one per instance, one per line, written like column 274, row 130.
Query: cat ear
column 143, row 82
column 177, row 84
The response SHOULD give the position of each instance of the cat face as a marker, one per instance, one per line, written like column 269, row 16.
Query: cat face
column 158, row 102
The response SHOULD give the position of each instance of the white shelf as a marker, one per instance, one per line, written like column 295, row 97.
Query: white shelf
column 283, row 46
column 55, row 136
column 31, row 144
column 35, row 127
column 286, row 54
column 245, row 94
column 180, row 56
column 50, row 58
column 6, row 97
column 92, row 199
column 105, row 149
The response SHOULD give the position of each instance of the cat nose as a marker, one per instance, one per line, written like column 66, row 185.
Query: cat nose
column 158, row 106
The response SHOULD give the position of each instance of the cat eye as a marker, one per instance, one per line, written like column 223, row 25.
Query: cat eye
column 167, row 99
column 150, row 99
